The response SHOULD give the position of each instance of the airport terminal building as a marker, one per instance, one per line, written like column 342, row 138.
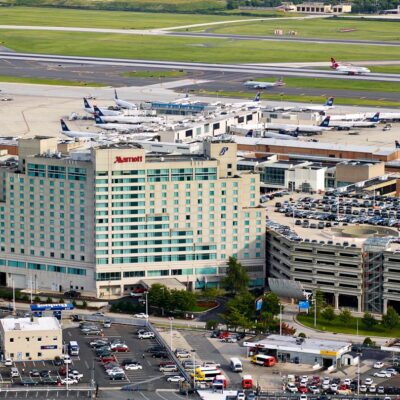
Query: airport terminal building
column 100, row 219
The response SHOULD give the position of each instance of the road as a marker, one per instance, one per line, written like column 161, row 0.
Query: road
column 237, row 68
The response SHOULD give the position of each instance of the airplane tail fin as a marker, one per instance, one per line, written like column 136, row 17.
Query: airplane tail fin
column 115, row 94
column 325, row 122
column 249, row 133
column 97, row 111
column 334, row 64
column 86, row 103
column 257, row 98
column 330, row 101
column 296, row 133
column 64, row 126
column 397, row 144
column 375, row 118
column 98, row 119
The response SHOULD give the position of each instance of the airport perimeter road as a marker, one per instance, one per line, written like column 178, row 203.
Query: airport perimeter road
column 238, row 68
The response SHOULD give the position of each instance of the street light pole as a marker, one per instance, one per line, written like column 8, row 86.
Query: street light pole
column 358, row 376
column 315, row 309
column 147, row 303
column 170, row 330
column 194, row 369
column 280, row 320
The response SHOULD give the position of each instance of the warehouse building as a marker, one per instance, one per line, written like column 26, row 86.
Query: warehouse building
column 100, row 219
column 24, row 339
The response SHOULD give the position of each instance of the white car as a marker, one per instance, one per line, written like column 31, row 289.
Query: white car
column 326, row 381
column 133, row 367
column 382, row 374
column 334, row 387
column 291, row 387
column 141, row 315
column 378, row 365
column 98, row 314
column 69, row 381
column 369, row 381
column 67, row 359
column 76, row 374
column 146, row 335
column 347, row 382
column 240, row 395
column 372, row 389
column 115, row 371
column 175, row 378
column 8, row 362
column 391, row 371
column 314, row 389
column 363, row 389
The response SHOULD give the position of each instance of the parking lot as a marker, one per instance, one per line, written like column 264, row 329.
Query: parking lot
column 147, row 378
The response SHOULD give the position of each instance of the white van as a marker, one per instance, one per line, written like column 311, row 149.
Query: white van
column 168, row 368
column 236, row 365
column 14, row 372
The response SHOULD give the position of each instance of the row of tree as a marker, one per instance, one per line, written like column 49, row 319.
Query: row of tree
column 389, row 320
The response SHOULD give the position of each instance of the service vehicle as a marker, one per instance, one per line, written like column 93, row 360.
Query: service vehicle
column 264, row 360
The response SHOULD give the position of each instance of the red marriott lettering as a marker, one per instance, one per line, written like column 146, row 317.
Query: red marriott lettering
column 120, row 160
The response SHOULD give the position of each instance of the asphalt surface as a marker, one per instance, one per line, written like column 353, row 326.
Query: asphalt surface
column 283, row 39
column 221, row 68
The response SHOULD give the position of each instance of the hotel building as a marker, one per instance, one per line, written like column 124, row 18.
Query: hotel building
column 102, row 219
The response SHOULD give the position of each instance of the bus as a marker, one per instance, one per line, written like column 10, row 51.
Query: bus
column 73, row 348
column 206, row 374
column 262, row 359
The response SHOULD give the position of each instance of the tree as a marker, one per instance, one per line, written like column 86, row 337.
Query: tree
column 345, row 317
column 368, row 342
column 318, row 301
column 211, row 293
column 271, row 304
column 181, row 300
column 212, row 324
column 240, row 311
column 237, row 278
column 391, row 319
column 302, row 334
column 368, row 320
column 266, row 322
column 328, row 313
column 159, row 296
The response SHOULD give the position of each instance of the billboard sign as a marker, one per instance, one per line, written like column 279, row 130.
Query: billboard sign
column 52, row 307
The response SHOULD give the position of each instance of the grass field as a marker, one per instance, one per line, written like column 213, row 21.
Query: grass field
column 342, row 84
column 48, row 81
column 334, row 28
column 101, row 19
column 337, row 327
column 386, row 69
column 154, row 74
column 186, row 49
column 302, row 99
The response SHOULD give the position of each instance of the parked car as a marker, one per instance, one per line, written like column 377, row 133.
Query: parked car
column 378, row 364
column 146, row 335
column 175, row 378
column 133, row 367
column 69, row 381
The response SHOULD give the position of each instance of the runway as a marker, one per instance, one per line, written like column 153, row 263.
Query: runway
column 222, row 68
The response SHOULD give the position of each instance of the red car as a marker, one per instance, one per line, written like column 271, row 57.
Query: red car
column 224, row 335
column 316, row 379
column 108, row 359
column 343, row 387
column 303, row 389
column 120, row 349
column 63, row 370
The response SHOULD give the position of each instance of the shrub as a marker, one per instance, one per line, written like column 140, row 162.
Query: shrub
column 328, row 313
column 368, row 342
column 302, row 334
column 36, row 299
column 49, row 300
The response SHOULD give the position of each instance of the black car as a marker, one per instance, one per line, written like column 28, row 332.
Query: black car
column 160, row 354
column 29, row 382
column 44, row 373
column 240, row 336
column 155, row 349
column 34, row 372
column 71, row 294
column 215, row 334
column 118, row 377
column 76, row 318
column 49, row 381
column 58, row 361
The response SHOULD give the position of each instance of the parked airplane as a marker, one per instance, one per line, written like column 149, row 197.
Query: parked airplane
column 300, row 128
column 386, row 116
column 78, row 134
column 113, row 126
column 352, row 124
column 324, row 107
column 273, row 135
column 264, row 85
column 348, row 68
column 89, row 109
column 123, row 103
column 249, row 104
column 126, row 119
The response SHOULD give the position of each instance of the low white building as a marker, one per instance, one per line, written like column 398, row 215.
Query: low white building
column 306, row 178
column 24, row 339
